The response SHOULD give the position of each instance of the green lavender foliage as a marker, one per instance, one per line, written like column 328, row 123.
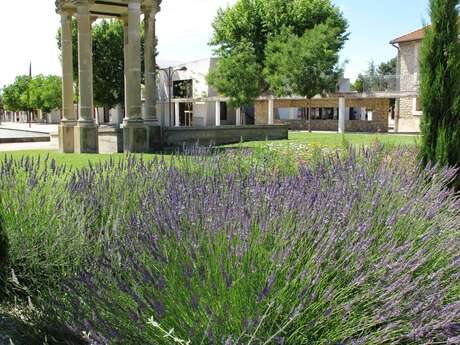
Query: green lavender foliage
column 3, row 256
column 440, row 85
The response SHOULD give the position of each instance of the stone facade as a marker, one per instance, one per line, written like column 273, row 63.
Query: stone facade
column 408, row 117
column 379, row 106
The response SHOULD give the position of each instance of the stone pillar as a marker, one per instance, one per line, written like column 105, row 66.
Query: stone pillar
column 176, row 114
column 238, row 117
column 69, row 119
column 134, row 131
column 342, row 114
column 150, row 115
column 217, row 113
column 271, row 111
column 86, row 132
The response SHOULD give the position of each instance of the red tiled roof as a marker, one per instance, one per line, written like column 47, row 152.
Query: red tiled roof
column 417, row 35
column 413, row 36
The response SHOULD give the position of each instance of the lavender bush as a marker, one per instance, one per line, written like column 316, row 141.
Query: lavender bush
column 354, row 248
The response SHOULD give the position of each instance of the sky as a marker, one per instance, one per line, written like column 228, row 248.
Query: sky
column 28, row 29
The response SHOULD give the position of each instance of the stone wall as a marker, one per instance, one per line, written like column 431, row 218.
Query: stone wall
column 409, row 55
column 379, row 123
column 223, row 134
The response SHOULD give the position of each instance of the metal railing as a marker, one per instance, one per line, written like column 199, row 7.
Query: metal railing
column 391, row 83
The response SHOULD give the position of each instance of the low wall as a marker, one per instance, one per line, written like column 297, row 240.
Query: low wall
column 224, row 134
column 333, row 125
column 111, row 138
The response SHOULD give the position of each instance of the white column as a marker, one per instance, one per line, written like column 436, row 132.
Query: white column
column 217, row 113
column 133, row 63
column 342, row 111
column 85, row 63
column 238, row 116
column 68, row 113
column 271, row 111
column 150, row 114
column 176, row 114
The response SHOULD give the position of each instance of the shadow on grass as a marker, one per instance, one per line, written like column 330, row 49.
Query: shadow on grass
column 14, row 330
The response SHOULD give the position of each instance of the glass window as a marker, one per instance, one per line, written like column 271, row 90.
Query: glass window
column 223, row 111
column 289, row 113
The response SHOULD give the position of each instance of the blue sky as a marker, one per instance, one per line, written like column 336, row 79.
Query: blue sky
column 373, row 24
column 184, row 29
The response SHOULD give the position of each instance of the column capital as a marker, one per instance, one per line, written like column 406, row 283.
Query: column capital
column 150, row 7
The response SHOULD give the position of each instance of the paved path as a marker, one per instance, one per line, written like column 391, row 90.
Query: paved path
column 12, row 134
column 27, row 147
column 35, row 127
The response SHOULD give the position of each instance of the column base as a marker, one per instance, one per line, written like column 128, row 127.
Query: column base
column 86, row 137
column 154, row 137
column 135, row 136
column 67, row 136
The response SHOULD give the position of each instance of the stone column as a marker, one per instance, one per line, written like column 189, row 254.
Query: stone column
column 342, row 111
column 86, row 132
column 271, row 110
column 176, row 114
column 217, row 113
column 69, row 119
column 149, row 114
column 238, row 117
column 134, row 131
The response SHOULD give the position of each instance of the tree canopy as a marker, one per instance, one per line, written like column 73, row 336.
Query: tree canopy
column 37, row 93
column 268, row 27
column 440, row 85
column 376, row 77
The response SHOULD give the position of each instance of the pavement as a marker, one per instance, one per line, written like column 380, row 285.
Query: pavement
column 19, row 136
column 45, row 146
column 35, row 127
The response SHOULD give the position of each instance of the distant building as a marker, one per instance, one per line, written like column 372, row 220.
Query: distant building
column 194, row 103
column 409, row 113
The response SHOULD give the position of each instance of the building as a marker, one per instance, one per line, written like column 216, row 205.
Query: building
column 193, row 102
column 409, row 111
column 196, row 104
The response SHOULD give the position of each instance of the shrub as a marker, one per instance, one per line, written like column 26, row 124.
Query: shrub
column 3, row 257
column 360, row 248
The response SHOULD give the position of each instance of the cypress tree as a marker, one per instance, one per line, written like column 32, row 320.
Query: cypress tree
column 440, row 85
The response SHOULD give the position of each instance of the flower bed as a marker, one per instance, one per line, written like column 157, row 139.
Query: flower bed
column 355, row 247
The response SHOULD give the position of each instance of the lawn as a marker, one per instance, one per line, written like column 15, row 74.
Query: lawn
column 299, row 140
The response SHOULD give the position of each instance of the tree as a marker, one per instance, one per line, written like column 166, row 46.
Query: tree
column 388, row 68
column 237, row 75
column 15, row 96
column 440, row 85
column 258, row 22
column 302, row 65
column 45, row 93
column 376, row 78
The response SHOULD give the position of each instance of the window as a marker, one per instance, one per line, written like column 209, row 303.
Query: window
column 223, row 111
column 417, row 106
column 327, row 114
column 287, row 114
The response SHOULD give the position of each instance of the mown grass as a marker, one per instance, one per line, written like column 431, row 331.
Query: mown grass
column 301, row 140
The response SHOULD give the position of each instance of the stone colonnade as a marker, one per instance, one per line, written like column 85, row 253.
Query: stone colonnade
column 141, row 127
